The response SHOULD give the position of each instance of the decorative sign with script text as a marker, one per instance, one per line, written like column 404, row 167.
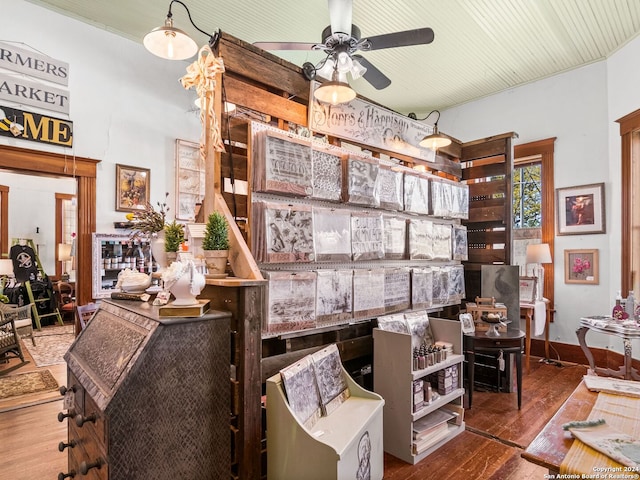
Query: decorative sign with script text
column 369, row 124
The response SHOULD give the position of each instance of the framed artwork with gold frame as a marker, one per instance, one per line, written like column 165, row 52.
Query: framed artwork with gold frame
column 132, row 188
column 581, row 266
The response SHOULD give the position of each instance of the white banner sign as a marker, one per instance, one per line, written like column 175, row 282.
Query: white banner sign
column 18, row 90
column 371, row 125
column 33, row 64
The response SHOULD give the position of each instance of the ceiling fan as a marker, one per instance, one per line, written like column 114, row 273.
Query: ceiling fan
column 341, row 40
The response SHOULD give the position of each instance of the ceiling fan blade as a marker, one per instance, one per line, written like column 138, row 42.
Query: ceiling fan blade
column 374, row 76
column 284, row 45
column 340, row 13
column 419, row 36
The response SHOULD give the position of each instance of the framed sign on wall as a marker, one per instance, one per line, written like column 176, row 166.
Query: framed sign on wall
column 190, row 179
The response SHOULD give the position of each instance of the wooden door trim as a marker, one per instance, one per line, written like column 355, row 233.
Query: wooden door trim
column 84, row 170
column 544, row 148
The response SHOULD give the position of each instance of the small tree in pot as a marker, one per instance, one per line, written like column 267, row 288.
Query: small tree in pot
column 216, row 243
column 173, row 237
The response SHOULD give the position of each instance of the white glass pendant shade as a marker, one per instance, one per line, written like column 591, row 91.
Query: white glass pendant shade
column 170, row 43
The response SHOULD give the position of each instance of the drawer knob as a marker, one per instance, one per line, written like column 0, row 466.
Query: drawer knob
column 85, row 467
column 62, row 445
column 80, row 420
column 62, row 416
column 63, row 390
column 62, row 476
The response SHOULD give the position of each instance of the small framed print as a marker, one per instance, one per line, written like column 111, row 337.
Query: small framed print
column 468, row 327
column 580, row 210
column 581, row 266
column 132, row 188
column 528, row 289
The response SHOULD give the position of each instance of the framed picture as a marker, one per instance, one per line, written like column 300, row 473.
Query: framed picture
column 581, row 266
column 580, row 209
column 468, row 327
column 528, row 289
column 132, row 188
column 190, row 179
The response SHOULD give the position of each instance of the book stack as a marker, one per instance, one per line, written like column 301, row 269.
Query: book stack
column 430, row 429
column 447, row 380
column 418, row 395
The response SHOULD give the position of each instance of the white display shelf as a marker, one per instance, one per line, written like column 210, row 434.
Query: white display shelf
column 393, row 380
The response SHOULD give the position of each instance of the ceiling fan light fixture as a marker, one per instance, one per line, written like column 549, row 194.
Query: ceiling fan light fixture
column 169, row 42
column 358, row 70
column 344, row 63
column 335, row 92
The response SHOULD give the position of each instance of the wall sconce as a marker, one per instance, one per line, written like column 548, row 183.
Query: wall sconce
column 64, row 255
column 172, row 43
column 435, row 140
column 537, row 254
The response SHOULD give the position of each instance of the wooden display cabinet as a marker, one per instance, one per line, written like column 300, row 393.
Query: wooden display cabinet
column 393, row 378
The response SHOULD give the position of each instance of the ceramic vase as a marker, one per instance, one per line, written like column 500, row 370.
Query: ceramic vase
column 157, row 250
column 187, row 287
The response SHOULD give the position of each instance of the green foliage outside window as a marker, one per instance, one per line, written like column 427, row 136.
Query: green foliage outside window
column 527, row 196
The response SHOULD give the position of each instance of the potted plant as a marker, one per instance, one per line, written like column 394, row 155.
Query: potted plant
column 173, row 238
column 216, row 244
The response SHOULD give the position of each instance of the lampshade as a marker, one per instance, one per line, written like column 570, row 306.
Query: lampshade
column 538, row 253
column 335, row 91
column 435, row 140
column 170, row 42
column 64, row 252
column 6, row 267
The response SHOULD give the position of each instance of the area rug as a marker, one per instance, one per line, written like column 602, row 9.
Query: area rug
column 25, row 383
column 51, row 344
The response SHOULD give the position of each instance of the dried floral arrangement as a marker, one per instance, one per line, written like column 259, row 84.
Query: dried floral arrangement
column 149, row 220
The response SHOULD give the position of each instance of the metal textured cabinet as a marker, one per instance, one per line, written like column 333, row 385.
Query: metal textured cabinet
column 147, row 396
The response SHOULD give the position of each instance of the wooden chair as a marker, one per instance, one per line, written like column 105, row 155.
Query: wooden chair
column 84, row 313
column 66, row 299
column 22, row 319
column 9, row 339
column 41, row 300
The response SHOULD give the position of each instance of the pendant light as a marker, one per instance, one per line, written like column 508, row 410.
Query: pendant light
column 436, row 140
column 172, row 43
column 334, row 92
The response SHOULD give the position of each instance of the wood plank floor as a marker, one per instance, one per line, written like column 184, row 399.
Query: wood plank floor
column 490, row 448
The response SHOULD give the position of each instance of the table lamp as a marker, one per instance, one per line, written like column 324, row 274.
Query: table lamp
column 6, row 272
column 537, row 254
column 64, row 255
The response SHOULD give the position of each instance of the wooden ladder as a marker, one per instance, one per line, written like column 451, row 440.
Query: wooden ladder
column 39, row 301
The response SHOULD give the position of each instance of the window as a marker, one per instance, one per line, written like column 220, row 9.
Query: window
column 527, row 195
column 533, row 203
column 630, row 221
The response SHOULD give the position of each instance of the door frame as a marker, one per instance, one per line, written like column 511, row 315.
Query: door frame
column 83, row 170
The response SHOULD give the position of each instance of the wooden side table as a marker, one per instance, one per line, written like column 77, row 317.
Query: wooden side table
column 510, row 342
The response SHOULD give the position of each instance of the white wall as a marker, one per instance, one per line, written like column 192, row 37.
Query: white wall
column 127, row 106
column 578, row 107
